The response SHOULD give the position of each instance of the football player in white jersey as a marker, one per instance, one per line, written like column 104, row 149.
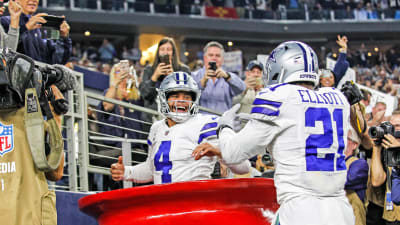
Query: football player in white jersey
column 171, row 141
column 304, row 130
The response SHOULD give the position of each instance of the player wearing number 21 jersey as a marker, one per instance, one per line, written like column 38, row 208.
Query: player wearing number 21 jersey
column 171, row 141
column 305, row 130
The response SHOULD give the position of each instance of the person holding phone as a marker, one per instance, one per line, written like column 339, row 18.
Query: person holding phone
column 217, row 85
column 10, row 39
column 165, row 62
column 254, row 84
column 122, row 122
column 32, row 42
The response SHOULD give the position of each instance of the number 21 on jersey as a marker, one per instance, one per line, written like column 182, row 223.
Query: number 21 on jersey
column 162, row 162
column 325, row 140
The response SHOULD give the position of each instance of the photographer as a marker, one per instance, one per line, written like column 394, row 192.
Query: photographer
column 385, row 194
column 10, row 39
column 32, row 43
column 31, row 148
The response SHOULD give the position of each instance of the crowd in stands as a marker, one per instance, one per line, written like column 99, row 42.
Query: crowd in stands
column 254, row 9
column 375, row 67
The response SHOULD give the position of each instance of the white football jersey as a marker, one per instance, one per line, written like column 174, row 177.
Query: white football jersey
column 306, row 133
column 170, row 152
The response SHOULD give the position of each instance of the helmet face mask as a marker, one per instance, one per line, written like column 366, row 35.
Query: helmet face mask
column 290, row 62
column 176, row 109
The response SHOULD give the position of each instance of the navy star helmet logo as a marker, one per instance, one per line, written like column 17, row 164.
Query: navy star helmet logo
column 272, row 56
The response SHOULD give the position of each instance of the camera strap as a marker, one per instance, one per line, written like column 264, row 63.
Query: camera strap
column 36, row 130
column 389, row 202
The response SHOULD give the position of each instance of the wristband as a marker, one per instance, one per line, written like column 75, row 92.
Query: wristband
column 222, row 127
column 229, row 76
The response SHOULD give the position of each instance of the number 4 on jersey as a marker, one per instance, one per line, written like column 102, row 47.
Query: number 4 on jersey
column 162, row 162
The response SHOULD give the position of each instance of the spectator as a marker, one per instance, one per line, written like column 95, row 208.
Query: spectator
column 340, row 9
column 357, row 177
column 330, row 78
column 107, row 52
column 135, row 53
column 362, row 56
column 10, row 40
column 155, row 74
column 119, row 117
column 349, row 14
column 377, row 116
column 371, row 12
column 393, row 58
column 118, row 90
column 359, row 12
column 218, row 86
column 254, row 83
column 198, row 65
column 366, row 101
column 31, row 42
column 106, row 68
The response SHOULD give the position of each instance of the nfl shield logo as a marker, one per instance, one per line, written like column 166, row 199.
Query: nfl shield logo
column 6, row 139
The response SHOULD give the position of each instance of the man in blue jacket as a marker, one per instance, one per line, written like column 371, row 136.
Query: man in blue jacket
column 31, row 42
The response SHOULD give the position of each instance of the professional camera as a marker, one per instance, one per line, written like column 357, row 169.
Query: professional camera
column 392, row 156
column 378, row 132
column 18, row 72
column 352, row 92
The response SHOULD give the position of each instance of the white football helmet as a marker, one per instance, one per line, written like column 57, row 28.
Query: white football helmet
column 175, row 82
column 291, row 61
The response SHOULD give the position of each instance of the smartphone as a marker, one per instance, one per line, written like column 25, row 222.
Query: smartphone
column 212, row 65
column 124, row 66
column 259, row 81
column 53, row 21
column 164, row 59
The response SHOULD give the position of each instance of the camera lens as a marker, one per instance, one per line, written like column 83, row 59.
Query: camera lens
column 376, row 132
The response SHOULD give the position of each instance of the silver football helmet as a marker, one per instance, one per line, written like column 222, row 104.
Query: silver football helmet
column 175, row 82
column 291, row 61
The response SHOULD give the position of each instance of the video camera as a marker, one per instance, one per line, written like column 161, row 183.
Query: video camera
column 352, row 92
column 391, row 156
column 19, row 72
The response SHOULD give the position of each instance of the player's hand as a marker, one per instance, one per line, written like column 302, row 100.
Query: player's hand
column 205, row 149
column 117, row 170
column 389, row 141
column 229, row 117
column 36, row 21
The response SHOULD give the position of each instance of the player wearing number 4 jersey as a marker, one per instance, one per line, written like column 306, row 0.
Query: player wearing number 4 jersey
column 172, row 141
column 305, row 131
